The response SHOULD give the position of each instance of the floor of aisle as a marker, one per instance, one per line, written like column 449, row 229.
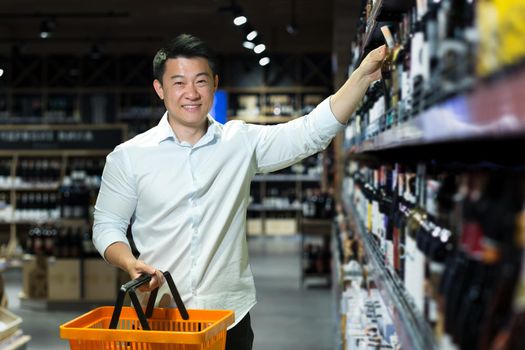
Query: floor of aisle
column 287, row 316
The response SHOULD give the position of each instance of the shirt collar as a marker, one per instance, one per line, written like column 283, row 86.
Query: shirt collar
column 165, row 132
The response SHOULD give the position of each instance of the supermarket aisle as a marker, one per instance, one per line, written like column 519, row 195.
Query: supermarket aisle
column 286, row 316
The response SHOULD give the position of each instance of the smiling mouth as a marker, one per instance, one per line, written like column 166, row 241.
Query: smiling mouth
column 191, row 107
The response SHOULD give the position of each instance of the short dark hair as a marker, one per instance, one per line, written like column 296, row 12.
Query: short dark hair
column 184, row 45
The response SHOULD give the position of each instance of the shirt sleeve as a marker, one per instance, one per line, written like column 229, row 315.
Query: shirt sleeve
column 279, row 146
column 116, row 201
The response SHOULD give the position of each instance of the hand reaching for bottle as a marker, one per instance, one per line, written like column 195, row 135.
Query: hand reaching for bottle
column 344, row 102
column 370, row 67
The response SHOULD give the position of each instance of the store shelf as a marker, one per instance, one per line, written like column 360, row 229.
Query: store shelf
column 260, row 207
column 264, row 119
column 413, row 330
column 33, row 188
column 316, row 227
column 276, row 90
column 10, row 263
column 286, row 178
column 17, row 344
column 493, row 110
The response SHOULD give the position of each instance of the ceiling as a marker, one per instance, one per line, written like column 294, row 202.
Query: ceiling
column 140, row 26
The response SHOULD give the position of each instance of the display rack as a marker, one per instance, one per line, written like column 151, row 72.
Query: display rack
column 40, row 162
column 319, row 230
column 283, row 217
column 280, row 218
column 452, row 124
column 272, row 104
column 491, row 110
column 411, row 327
column 64, row 143
column 285, row 212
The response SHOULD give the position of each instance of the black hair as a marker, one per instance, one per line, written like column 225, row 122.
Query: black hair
column 184, row 45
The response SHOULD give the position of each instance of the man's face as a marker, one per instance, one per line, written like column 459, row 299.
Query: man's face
column 187, row 88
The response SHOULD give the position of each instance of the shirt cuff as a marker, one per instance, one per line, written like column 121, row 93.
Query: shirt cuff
column 103, row 241
column 326, row 119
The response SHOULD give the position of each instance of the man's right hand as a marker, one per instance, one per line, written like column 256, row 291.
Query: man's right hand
column 139, row 267
column 120, row 255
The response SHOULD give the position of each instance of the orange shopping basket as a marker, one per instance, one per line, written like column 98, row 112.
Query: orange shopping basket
column 130, row 328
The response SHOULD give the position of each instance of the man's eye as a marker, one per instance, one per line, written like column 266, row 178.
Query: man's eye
column 179, row 83
column 202, row 82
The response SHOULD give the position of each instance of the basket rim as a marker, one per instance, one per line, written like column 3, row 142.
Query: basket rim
column 78, row 328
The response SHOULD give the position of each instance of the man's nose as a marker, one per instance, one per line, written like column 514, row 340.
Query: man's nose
column 192, row 92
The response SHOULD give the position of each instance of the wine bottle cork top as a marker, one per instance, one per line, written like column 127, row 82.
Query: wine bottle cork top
column 388, row 36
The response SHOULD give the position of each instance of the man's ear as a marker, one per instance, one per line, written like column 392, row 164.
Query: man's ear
column 157, row 85
column 215, row 82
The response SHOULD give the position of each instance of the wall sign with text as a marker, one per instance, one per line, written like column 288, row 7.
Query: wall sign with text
column 75, row 137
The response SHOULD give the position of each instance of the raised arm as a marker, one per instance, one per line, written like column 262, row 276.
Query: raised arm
column 344, row 102
column 281, row 145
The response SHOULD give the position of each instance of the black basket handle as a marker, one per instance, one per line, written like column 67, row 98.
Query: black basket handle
column 130, row 288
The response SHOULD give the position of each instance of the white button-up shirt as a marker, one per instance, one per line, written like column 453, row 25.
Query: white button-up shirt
column 187, row 204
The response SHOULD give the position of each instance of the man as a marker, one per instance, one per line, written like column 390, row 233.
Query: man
column 184, row 184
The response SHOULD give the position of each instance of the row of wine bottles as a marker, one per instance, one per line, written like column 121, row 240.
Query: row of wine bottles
column 59, row 241
column 255, row 105
column 456, row 239
column 436, row 50
column 74, row 200
column 367, row 323
column 313, row 202
column 316, row 257
column 46, row 171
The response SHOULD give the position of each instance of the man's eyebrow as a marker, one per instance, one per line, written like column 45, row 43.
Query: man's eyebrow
column 197, row 75
column 203, row 73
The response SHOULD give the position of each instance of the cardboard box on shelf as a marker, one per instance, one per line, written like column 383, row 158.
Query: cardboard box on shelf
column 34, row 277
column 281, row 226
column 254, row 226
column 63, row 279
column 100, row 280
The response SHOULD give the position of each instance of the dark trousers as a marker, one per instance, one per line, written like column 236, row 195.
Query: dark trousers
column 240, row 337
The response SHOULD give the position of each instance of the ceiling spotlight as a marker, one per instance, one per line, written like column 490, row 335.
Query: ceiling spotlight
column 264, row 61
column 239, row 20
column 292, row 29
column 251, row 35
column 259, row 48
column 1, row 72
column 45, row 29
column 248, row 44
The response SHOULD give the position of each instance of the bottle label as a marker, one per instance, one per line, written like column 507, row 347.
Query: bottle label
column 432, row 189
column 419, row 59
column 415, row 272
